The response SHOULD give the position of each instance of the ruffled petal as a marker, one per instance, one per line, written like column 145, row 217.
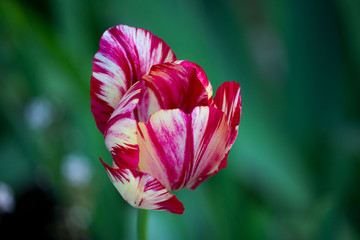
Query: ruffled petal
column 120, row 133
column 171, row 86
column 143, row 191
column 182, row 150
column 125, row 55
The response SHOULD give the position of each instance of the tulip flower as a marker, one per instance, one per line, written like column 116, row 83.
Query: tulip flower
column 161, row 123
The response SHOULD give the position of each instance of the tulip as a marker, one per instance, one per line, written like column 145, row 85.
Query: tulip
column 161, row 123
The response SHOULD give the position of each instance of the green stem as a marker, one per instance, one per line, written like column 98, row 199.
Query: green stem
column 142, row 224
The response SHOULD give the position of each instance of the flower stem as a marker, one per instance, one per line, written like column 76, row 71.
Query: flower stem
column 142, row 224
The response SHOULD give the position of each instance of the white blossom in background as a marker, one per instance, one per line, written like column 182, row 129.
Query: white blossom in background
column 7, row 201
column 39, row 113
column 76, row 169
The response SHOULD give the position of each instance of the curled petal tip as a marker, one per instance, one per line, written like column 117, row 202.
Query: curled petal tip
column 141, row 190
column 173, row 205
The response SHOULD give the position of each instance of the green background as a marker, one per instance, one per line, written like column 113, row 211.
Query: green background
column 294, row 170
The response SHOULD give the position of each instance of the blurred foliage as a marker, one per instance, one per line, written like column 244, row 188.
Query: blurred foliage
column 294, row 171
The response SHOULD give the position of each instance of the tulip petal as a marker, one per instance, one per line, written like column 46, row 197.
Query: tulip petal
column 120, row 133
column 182, row 150
column 228, row 100
column 143, row 191
column 162, row 145
column 210, row 134
column 171, row 86
column 201, row 76
column 125, row 55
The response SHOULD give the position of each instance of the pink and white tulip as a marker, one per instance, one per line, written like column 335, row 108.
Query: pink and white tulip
column 160, row 121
